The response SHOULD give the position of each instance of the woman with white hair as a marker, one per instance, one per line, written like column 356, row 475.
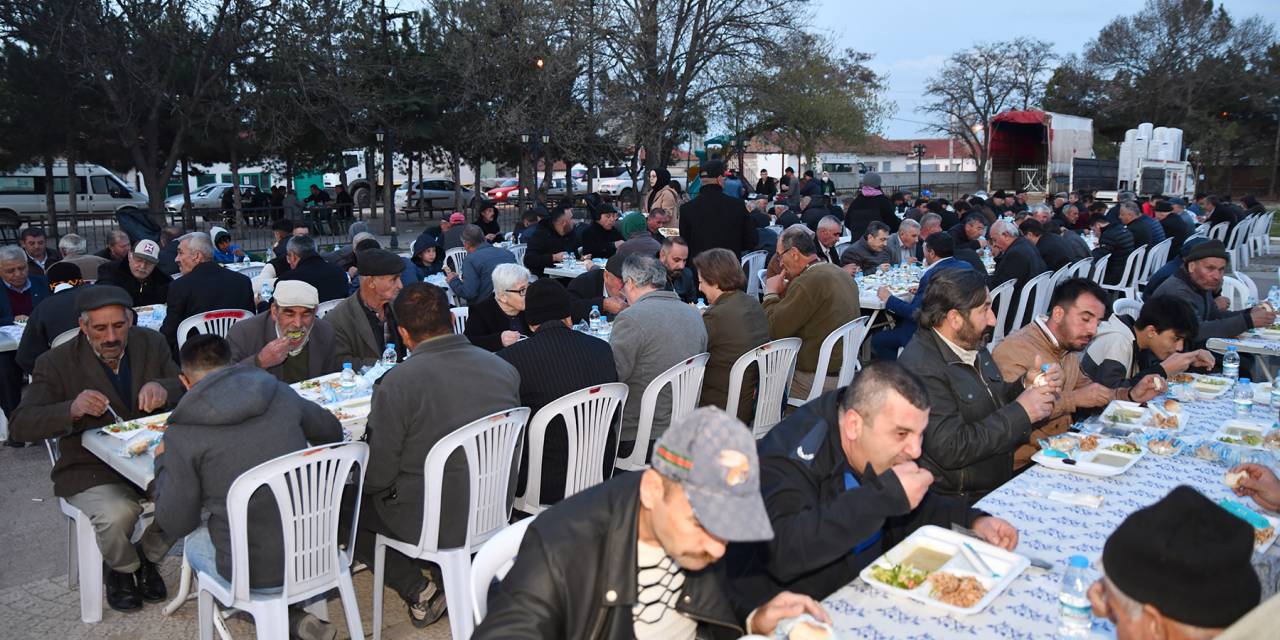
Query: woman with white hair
column 498, row 320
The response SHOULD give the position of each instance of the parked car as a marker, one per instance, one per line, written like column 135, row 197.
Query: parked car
column 435, row 194
column 209, row 197
column 504, row 192
column 98, row 191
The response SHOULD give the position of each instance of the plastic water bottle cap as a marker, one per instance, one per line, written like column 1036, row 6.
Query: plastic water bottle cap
column 390, row 345
column 1244, row 381
column 1231, row 348
column 346, row 365
column 1079, row 562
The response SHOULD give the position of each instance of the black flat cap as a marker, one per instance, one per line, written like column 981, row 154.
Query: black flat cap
column 378, row 262
column 546, row 300
column 1209, row 249
column 102, row 295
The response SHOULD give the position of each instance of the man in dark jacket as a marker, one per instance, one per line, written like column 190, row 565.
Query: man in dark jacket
column 970, row 232
column 1196, row 283
column 416, row 404
column 674, row 256
column 552, row 241
column 1016, row 258
column 23, row 290
column 307, row 265
column 54, row 316
column 39, row 255
column 554, row 362
column 839, row 474
column 1217, row 211
column 1174, row 226
column 210, row 442
column 715, row 220
column 870, row 204
column 1114, row 240
column 288, row 341
column 938, row 254
column 636, row 557
column 204, row 286
column 138, row 275
column 766, row 186
column 976, row 418
column 128, row 369
column 1144, row 229
column 1052, row 247
column 598, row 288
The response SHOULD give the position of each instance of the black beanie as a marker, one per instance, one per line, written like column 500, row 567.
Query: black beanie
column 546, row 301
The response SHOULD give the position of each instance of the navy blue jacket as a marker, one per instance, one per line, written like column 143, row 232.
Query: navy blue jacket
column 39, row 290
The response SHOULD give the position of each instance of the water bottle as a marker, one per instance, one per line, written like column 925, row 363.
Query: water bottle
column 1273, row 296
column 267, row 291
column 593, row 318
column 389, row 355
column 857, row 278
column 1073, row 600
column 1275, row 394
column 1244, row 397
column 702, row 304
column 1231, row 364
column 347, row 381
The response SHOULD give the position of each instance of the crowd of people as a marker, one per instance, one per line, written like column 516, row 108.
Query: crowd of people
column 722, row 535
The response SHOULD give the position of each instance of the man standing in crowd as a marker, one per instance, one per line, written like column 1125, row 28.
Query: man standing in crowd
column 674, row 255
column 111, row 368
column 659, row 534
column 475, row 283
column 809, row 299
column 307, row 265
column 715, row 220
column 976, row 418
column 73, row 248
column 552, row 242
column 656, row 332
column 1075, row 309
column 39, row 256
column 554, row 362
column 1126, row 350
column 289, row 342
column 841, row 487
column 138, row 275
column 204, row 286
column 416, row 404
column 210, row 442
column 1195, row 283
column 364, row 324
column 938, row 250
column 869, row 252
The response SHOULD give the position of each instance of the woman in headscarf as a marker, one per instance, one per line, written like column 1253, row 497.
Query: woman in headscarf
column 661, row 194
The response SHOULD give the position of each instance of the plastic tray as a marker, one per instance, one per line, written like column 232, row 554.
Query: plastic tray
column 1236, row 428
column 1109, row 414
column 1090, row 463
column 142, row 423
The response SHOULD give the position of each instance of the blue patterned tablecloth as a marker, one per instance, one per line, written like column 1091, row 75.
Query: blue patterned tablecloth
column 1054, row 531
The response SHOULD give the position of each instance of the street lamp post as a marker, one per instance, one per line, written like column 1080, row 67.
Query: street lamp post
column 918, row 150
column 388, row 187
column 533, row 142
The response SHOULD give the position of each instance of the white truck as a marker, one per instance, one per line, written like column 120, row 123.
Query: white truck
column 98, row 191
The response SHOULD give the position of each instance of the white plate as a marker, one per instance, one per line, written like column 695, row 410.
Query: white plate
column 1275, row 531
column 1007, row 564
column 1099, row 462
column 1109, row 414
column 1237, row 428
column 1155, row 410
column 354, row 411
column 1210, row 390
column 141, row 423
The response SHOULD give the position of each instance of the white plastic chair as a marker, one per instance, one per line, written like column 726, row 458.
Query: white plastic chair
column 841, row 246
column 853, row 333
column 1081, row 268
column 753, row 262
column 1219, row 231
column 1001, row 301
column 492, row 562
column 218, row 322
column 454, row 258
column 590, row 415
column 64, row 337
column 518, row 250
column 776, row 363
column 1127, row 285
column 685, row 379
column 1236, row 292
column 1250, row 286
column 1157, row 256
column 324, row 308
column 307, row 486
column 760, row 278
column 1202, row 229
column 1260, row 239
column 252, row 272
column 460, row 315
column 491, row 445
column 1127, row 307
column 1046, row 292
column 1100, row 268
column 1236, row 238
column 1028, row 298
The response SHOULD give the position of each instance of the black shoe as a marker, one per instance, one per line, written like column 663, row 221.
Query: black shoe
column 429, row 606
column 150, row 584
column 122, row 592
column 15, row 444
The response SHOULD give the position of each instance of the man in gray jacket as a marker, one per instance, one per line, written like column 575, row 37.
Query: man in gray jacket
column 415, row 405
column 210, row 442
column 1201, row 275
column 290, row 342
column 475, row 283
column 656, row 332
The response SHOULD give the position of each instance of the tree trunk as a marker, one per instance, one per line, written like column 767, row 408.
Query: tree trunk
column 236, row 208
column 50, row 201
column 388, row 189
column 520, row 186
column 73, row 184
column 188, row 217
column 371, row 175
column 456, row 165
column 568, row 181
column 546, row 177
column 1275, row 160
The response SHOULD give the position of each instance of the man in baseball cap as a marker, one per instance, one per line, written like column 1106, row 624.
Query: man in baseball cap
column 138, row 275
column 290, row 342
column 638, row 555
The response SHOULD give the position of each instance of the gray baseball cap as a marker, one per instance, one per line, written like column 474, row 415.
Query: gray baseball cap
column 713, row 456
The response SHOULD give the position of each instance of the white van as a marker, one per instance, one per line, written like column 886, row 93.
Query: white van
column 99, row 191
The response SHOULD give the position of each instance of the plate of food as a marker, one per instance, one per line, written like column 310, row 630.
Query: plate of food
column 946, row 570
column 129, row 428
column 351, row 412
column 1093, row 456
column 1165, row 415
column 1264, row 526
column 1242, row 433
column 1164, row 443
column 1125, row 414
column 1267, row 333
column 1210, row 386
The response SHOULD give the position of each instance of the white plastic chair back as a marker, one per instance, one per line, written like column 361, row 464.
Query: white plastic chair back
column 760, row 278
column 1028, row 298
column 841, row 246
column 218, row 322
column 1001, row 302
column 518, row 251
column 492, row 562
column 685, row 379
column 1100, row 268
column 1157, row 256
column 1081, row 268
column 454, row 258
column 590, row 416
column 1046, row 292
column 850, row 335
column 1236, row 292
column 460, row 315
column 1132, row 267
column 252, row 272
column 64, row 337
column 776, row 362
column 1127, row 307
column 1251, row 287
column 1202, row 229
column 307, row 486
column 752, row 262
column 324, row 308
column 1219, row 231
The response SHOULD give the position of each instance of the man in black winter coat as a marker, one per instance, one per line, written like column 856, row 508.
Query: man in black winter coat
column 552, row 241
column 204, row 286
column 1114, row 240
column 1053, row 248
column 139, row 274
column 306, row 264
column 1016, row 259
column 841, row 485
column 1175, row 227
column 714, row 220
